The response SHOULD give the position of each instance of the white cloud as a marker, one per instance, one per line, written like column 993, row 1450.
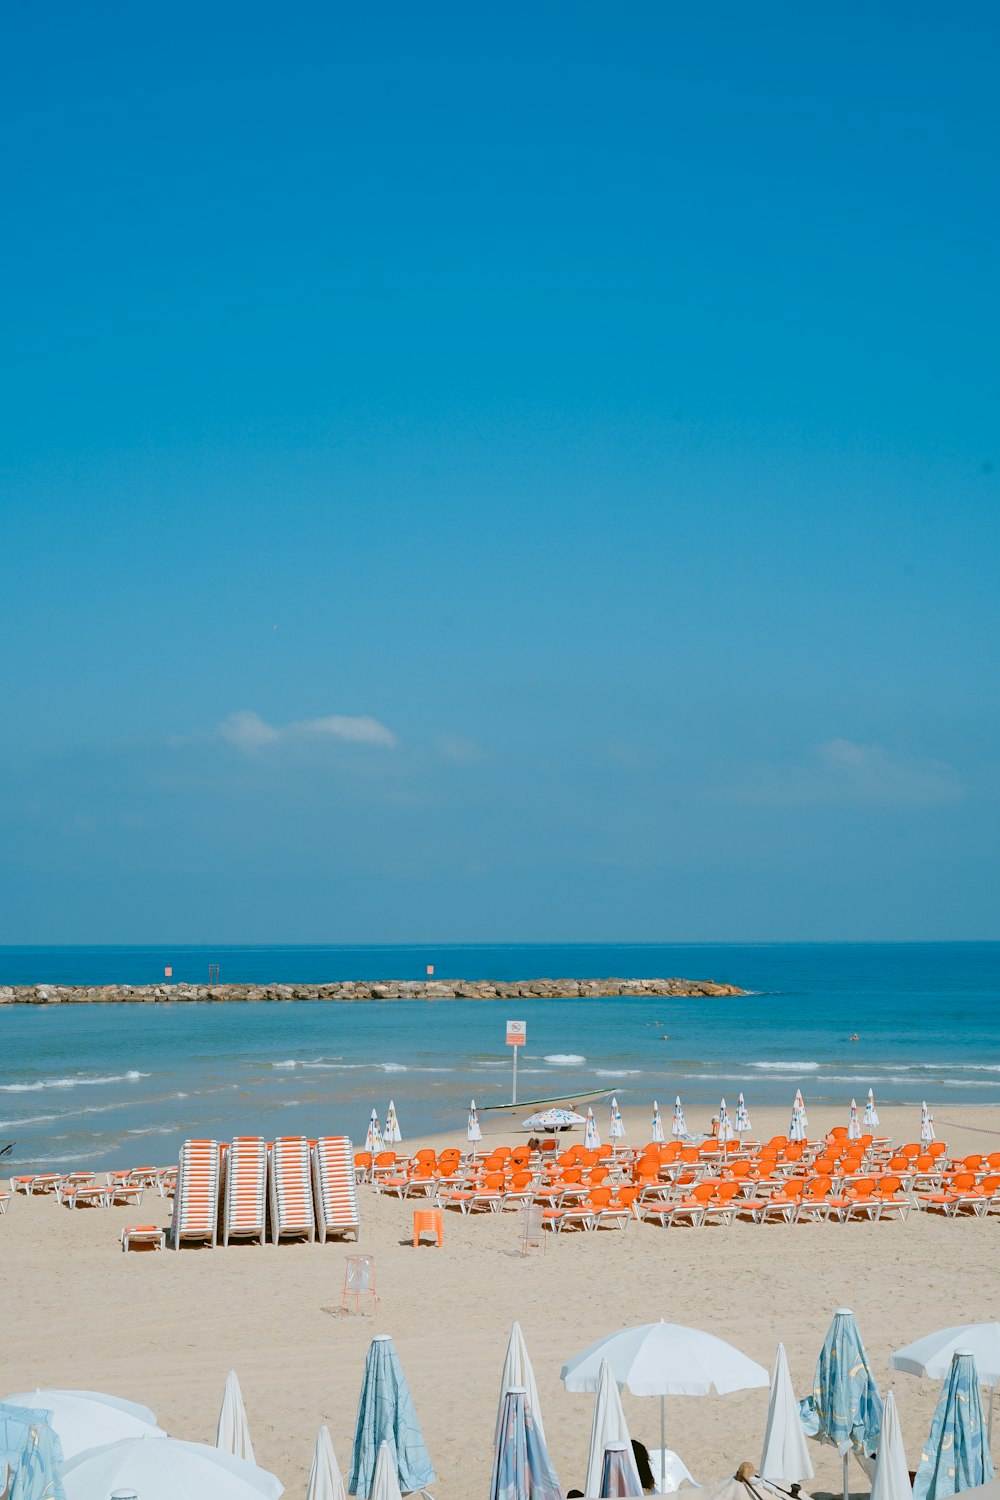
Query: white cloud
column 248, row 731
column 845, row 771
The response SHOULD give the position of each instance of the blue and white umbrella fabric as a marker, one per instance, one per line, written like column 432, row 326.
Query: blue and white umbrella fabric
column 522, row 1469
column 742, row 1118
column 656, row 1131
column 373, row 1140
column 871, row 1113
column 678, row 1126
column 797, row 1127
column 618, row 1473
column 853, row 1123
column 800, row 1105
column 591, row 1138
column 617, row 1124
column 926, row 1124
column 553, row 1119
column 956, row 1455
column 473, row 1132
column 30, row 1454
column 386, row 1415
column 393, row 1134
column 845, row 1407
column 726, row 1131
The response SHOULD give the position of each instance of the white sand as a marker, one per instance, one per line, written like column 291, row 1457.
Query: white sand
column 165, row 1328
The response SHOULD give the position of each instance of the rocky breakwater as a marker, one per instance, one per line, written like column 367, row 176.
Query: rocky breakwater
column 359, row 989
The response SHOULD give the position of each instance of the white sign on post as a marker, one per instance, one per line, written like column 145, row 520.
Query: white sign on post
column 517, row 1035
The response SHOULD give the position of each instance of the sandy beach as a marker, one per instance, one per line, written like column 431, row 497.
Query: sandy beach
column 165, row 1328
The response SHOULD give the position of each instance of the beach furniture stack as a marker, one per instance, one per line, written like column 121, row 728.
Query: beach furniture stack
column 196, row 1200
column 292, row 1209
column 244, row 1204
column 334, row 1191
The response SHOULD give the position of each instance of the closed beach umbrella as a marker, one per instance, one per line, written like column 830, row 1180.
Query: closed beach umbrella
column 385, row 1485
column 656, row 1131
column 393, row 1134
column 955, row 1456
column 785, row 1458
column 233, row 1432
column 797, row 1126
column 472, row 1130
column 517, row 1374
column 926, row 1124
column 891, row 1480
column 609, row 1426
column 88, row 1419
column 617, row 1129
column 373, row 1140
column 853, row 1123
column 742, row 1118
column 931, row 1356
column 591, row 1138
column 726, row 1131
column 845, row 1407
column 30, row 1454
column 871, row 1113
column 618, row 1476
column 325, row 1479
column 678, row 1126
column 522, row 1469
column 164, row 1469
column 386, row 1415
column 800, row 1105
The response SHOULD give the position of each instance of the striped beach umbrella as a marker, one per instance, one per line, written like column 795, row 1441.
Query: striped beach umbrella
column 373, row 1140
column 591, row 1137
column 473, row 1132
column 871, row 1113
column 926, row 1124
column 386, row 1415
column 618, row 1474
column 854, row 1124
column 956, row 1455
column 726, row 1131
column 617, row 1129
column 656, row 1131
column 522, row 1469
column 742, row 1118
column 678, row 1126
column 393, row 1135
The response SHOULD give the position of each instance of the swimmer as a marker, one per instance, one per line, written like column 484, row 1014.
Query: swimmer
column 855, row 1037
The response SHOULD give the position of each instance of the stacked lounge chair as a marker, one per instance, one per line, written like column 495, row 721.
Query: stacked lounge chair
column 244, row 1199
column 291, row 1188
column 333, row 1184
column 196, row 1201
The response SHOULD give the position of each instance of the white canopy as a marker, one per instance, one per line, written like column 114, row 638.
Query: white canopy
column 233, row 1432
column 931, row 1355
column 87, row 1419
column 385, row 1482
column 325, row 1479
column 609, row 1426
column 753, row 1487
column 164, row 1468
column 785, row 1458
column 891, row 1480
column 517, row 1373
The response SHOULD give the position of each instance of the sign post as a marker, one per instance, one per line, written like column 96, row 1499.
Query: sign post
column 517, row 1035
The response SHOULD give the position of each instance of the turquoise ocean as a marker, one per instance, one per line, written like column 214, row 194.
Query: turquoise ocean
column 119, row 1085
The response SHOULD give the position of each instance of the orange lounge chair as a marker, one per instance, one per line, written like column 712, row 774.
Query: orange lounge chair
column 488, row 1196
column 782, row 1204
column 815, row 1200
column 143, row 1234
column 890, row 1200
column 691, row 1208
column 721, row 1207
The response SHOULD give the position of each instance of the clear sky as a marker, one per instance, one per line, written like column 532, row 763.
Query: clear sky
column 508, row 473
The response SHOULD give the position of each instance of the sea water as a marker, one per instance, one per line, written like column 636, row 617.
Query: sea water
column 108, row 1085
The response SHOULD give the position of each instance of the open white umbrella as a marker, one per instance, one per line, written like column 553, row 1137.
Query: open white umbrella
column 871, row 1113
column 393, row 1134
column 609, row 1426
column 385, row 1482
column 785, row 1458
column 891, row 1480
column 656, row 1131
column 931, row 1356
column 325, row 1479
column 164, row 1469
column 746, row 1485
column 88, row 1419
column 233, row 1432
column 517, row 1374
column 553, row 1119
column 664, row 1359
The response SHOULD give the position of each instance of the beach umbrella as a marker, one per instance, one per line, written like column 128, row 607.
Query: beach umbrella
column 325, row 1479
column 891, row 1480
column 742, row 1118
column 618, row 1476
column 553, row 1119
column 726, row 1131
column 664, row 1359
column 472, row 1130
column 617, row 1128
column 871, row 1113
column 800, row 1105
column 609, row 1426
column 845, row 1407
column 926, row 1124
column 656, row 1132
column 522, row 1469
column 678, row 1125
column 797, row 1127
column 591, row 1138
column 373, row 1141
column 385, row 1484
column 853, row 1123
column 30, row 1454
column 785, row 1457
column 393, row 1134
column 88, row 1419
column 745, row 1484
column 955, row 1456
column 931, row 1356
column 164, row 1468
column 386, row 1415
column 518, row 1374
column 233, row 1432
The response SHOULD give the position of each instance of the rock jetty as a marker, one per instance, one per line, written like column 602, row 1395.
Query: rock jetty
column 360, row 989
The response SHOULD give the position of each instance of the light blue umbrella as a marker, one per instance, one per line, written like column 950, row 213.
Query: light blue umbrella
column 30, row 1455
column 845, row 1407
column 522, row 1469
column 386, row 1415
column 956, row 1456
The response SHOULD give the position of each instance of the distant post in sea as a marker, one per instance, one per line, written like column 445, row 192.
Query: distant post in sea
column 517, row 1035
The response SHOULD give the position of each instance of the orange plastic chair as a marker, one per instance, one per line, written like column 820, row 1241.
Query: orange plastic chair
column 428, row 1221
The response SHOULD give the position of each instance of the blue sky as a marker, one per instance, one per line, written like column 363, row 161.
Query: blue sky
column 506, row 475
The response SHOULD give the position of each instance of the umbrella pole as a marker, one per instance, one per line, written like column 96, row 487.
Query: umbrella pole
column 663, row 1448
column 847, row 1486
column 989, row 1430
